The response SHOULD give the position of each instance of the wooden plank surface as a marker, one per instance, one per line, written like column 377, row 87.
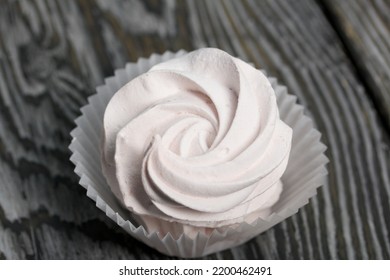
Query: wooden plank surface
column 364, row 25
column 54, row 53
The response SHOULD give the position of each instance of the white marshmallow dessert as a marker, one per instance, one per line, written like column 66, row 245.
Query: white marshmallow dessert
column 194, row 153
column 196, row 142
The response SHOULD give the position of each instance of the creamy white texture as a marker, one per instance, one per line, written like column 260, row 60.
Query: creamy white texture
column 196, row 140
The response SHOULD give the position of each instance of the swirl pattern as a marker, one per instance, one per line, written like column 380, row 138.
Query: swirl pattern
column 196, row 140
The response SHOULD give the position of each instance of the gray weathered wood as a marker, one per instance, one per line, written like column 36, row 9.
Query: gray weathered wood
column 54, row 53
column 365, row 27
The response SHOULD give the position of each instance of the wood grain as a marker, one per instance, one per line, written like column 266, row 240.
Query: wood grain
column 364, row 25
column 54, row 53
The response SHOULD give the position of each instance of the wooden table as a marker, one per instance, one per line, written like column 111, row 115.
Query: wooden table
column 334, row 55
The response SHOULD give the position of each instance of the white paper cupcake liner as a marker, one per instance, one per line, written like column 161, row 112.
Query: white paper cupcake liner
column 305, row 172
